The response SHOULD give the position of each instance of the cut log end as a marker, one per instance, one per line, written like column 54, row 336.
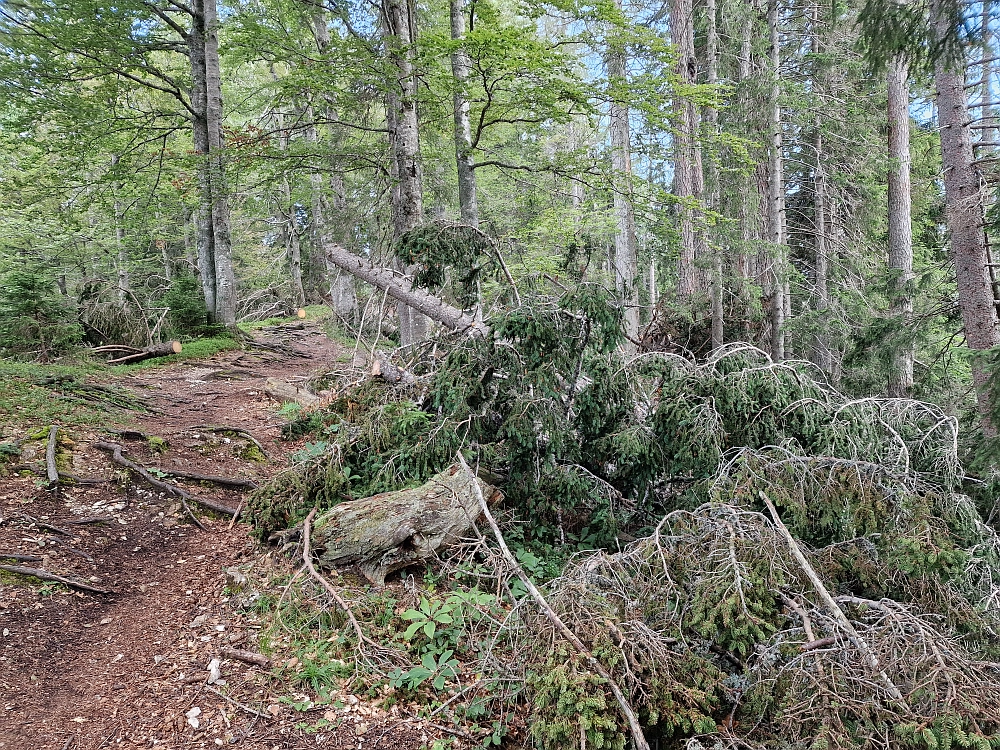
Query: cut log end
column 301, row 313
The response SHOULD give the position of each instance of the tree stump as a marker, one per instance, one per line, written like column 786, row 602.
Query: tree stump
column 386, row 532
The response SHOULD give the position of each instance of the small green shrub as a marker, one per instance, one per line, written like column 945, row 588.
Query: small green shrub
column 34, row 320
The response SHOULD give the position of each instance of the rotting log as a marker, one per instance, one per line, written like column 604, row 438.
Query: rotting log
column 386, row 532
column 400, row 289
column 131, row 355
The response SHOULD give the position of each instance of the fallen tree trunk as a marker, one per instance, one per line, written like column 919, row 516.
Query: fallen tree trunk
column 286, row 392
column 400, row 289
column 130, row 355
column 393, row 530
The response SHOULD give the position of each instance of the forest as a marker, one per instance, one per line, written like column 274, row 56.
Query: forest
column 547, row 374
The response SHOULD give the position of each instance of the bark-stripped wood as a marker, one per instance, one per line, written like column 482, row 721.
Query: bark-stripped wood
column 393, row 530
column 51, row 470
column 129, row 355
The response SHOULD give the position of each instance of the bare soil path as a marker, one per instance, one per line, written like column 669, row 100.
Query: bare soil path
column 129, row 669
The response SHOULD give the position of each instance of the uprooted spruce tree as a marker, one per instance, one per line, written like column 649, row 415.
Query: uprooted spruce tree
column 748, row 559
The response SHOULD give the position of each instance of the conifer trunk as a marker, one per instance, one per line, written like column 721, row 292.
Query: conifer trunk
column 712, row 177
column 822, row 355
column 460, row 67
column 900, row 229
column 776, row 194
column 682, row 36
column 626, row 262
column 964, row 213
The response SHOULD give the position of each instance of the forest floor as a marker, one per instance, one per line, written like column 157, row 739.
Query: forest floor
column 129, row 669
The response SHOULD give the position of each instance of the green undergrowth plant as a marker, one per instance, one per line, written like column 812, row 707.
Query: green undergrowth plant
column 652, row 477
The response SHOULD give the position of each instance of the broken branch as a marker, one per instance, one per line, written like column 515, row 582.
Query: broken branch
column 47, row 576
column 633, row 722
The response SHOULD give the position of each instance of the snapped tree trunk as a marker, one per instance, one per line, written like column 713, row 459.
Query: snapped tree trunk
column 399, row 288
column 393, row 530
column 900, row 229
column 626, row 263
column 965, row 216
column 460, row 68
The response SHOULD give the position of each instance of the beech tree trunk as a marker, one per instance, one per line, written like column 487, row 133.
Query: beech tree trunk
column 460, row 68
column 965, row 217
column 408, row 205
column 776, row 194
column 626, row 262
column 900, row 229
column 215, row 260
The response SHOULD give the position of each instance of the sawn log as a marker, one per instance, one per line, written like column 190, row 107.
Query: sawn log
column 384, row 533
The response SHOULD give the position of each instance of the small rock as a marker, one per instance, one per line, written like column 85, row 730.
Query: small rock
column 198, row 621
column 192, row 717
column 214, row 671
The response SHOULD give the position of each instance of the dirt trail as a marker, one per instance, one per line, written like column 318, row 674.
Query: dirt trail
column 128, row 669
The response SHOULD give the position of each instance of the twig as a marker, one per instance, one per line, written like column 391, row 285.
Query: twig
column 69, row 741
column 249, row 657
column 90, row 519
column 43, row 525
column 191, row 515
column 171, row 489
column 569, row 635
column 224, row 481
column 236, row 515
column 51, row 469
column 828, row 600
column 246, row 708
column 307, row 559
column 47, row 576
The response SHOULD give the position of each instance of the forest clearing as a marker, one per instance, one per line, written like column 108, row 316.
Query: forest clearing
column 542, row 374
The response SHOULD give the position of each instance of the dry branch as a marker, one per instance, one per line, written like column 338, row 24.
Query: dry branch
column 47, row 576
column 223, row 481
column 831, row 604
column 633, row 722
column 19, row 557
column 116, row 456
column 248, row 657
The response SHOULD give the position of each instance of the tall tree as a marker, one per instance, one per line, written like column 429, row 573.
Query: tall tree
column 461, row 68
column 900, row 223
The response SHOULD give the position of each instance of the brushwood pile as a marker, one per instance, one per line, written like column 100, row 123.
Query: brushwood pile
column 637, row 487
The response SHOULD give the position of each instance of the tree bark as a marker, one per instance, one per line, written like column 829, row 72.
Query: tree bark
column 900, row 228
column 965, row 217
column 461, row 69
column 393, row 530
column 776, row 193
column 711, row 116
column 215, row 263
column 408, row 206
column 822, row 354
column 399, row 289
column 626, row 262
column 682, row 36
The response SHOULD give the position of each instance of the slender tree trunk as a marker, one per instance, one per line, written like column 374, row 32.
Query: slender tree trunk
column 711, row 117
column 404, row 134
column 626, row 262
column 776, row 193
column 682, row 36
column 964, row 213
column 123, row 275
column 822, row 354
column 461, row 68
column 900, row 228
